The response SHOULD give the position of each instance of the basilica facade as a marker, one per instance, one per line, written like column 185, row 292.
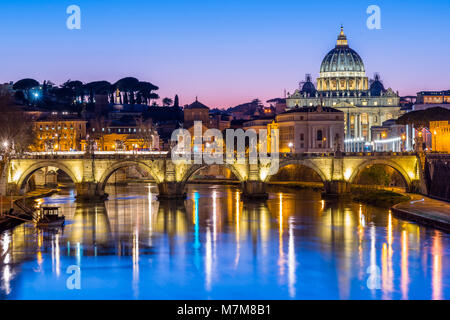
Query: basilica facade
column 343, row 85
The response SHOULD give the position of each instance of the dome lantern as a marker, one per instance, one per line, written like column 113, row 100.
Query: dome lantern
column 342, row 39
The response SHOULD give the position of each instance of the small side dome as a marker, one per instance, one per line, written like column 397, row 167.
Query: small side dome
column 308, row 86
column 376, row 88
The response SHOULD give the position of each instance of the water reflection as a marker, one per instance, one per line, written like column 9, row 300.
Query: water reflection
column 214, row 245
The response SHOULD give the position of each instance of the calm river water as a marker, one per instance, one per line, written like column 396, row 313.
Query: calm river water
column 214, row 246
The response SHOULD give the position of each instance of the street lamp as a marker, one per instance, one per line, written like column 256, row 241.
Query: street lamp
column 383, row 136
column 435, row 141
column 290, row 145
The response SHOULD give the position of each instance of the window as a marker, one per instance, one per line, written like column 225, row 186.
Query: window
column 319, row 135
column 302, row 137
column 364, row 118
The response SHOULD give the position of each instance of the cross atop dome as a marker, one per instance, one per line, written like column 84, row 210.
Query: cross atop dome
column 342, row 39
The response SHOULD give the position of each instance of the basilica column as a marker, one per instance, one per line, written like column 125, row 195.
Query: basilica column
column 329, row 138
column 360, row 126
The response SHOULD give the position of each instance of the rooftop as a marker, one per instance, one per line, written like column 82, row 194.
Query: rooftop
column 312, row 109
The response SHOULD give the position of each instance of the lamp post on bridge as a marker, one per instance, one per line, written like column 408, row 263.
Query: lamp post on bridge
column 7, row 150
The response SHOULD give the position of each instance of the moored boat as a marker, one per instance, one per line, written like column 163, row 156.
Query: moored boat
column 48, row 217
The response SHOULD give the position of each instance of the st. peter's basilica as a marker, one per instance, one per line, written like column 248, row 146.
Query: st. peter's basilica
column 343, row 85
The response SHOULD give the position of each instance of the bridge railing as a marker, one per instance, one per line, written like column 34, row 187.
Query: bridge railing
column 82, row 154
column 165, row 154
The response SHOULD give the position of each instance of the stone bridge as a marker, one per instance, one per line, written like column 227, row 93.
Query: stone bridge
column 90, row 172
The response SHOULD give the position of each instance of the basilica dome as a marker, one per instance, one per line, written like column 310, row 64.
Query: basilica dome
column 342, row 69
column 342, row 59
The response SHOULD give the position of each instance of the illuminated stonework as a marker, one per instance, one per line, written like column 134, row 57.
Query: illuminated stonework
column 342, row 84
column 342, row 69
column 90, row 177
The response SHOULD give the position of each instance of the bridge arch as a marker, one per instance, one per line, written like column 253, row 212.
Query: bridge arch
column 306, row 163
column 389, row 163
column 25, row 176
column 197, row 167
column 123, row 164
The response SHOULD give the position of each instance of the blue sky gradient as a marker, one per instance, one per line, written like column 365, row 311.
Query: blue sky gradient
column 224, row 52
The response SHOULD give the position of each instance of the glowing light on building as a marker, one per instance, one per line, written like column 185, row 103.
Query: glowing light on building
column 347, row 174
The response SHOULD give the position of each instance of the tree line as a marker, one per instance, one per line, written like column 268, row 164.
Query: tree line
column 127, row 90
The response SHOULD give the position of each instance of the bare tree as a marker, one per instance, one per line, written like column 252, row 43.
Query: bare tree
column 98, row 130
column 16, row 130
column 146, row 134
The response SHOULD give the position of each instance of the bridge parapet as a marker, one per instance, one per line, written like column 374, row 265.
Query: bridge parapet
column 90, row 172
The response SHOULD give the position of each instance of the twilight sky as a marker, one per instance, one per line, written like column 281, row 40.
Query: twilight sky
column 224, row 52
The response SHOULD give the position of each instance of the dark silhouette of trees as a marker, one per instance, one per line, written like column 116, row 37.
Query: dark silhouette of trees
column 127, row 86
column 73, row 90
column 134, row 91
column 421, row 118
column 167, row 102
column 78, row 95
column 97, row 87
column 25, row 86
column 176, row 102
column 145, row 91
